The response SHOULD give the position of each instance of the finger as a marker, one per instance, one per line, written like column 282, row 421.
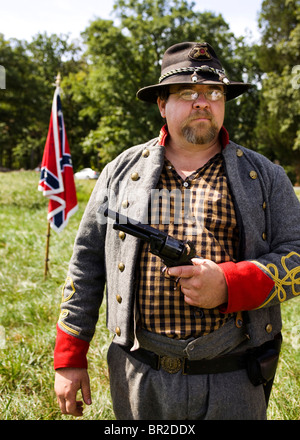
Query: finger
column 192, row 284
column 86, row 391
column 181, row 271
column 62, row 405
column 189, row 299
column 190, row 289
column 74, row 408
column 66, row 398
column 187, row 292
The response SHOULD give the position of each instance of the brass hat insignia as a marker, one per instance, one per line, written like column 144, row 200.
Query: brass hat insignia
column 200, row 52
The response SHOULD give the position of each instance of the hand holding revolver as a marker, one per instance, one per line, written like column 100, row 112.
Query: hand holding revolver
column 202, row 281
column 203, row 284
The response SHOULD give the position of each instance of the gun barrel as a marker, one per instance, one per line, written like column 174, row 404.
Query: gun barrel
column 170, row 250
column 132, row 227
column 119, row 218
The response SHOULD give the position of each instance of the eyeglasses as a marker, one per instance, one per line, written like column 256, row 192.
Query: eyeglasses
column 192, row 95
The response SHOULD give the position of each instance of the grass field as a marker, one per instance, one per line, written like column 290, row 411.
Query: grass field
column 29, row 309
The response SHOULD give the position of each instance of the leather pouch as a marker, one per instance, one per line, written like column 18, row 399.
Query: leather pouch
column 262, row 362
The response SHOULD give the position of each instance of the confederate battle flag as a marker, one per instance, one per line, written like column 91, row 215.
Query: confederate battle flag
column 57, row 179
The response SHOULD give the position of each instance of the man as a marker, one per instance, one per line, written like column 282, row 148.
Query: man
column 199, row 341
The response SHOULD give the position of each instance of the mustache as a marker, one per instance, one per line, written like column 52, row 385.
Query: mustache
column 199, row 114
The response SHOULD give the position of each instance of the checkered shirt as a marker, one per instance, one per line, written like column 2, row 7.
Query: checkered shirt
column 199, row 209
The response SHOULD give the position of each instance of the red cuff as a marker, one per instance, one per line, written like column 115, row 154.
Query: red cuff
column 248, row 286
column 69, row 352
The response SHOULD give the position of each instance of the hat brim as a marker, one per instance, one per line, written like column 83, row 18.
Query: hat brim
column 150, row 93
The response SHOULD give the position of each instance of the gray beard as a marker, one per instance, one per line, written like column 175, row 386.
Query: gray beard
column 192, row 136
column 199, row 134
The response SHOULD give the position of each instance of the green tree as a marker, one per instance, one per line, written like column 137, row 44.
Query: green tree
column 279, row 115
column 16, row 107
column 102, row 115
column 25, row 104
column 123, row 57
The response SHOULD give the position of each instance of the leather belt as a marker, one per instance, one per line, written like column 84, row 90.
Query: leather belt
column 221, row 364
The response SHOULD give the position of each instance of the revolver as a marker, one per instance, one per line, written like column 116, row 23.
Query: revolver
column 171, row 251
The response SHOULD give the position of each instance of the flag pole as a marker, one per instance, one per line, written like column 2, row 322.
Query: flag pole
column 47, row 250
column 46, row 267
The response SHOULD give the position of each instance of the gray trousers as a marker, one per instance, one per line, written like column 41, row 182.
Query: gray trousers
column 141, row 393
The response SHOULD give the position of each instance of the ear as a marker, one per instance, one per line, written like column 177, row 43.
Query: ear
column 162, row 107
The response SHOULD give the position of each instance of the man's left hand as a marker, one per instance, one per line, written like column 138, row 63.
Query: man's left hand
column 203, row 284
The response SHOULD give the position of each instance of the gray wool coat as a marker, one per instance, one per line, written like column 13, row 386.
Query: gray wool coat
column 268, row 214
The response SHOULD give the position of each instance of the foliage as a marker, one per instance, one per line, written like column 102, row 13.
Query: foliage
column 103, row 71
column 101, row 77
column 125, row 57
column 25, row 104
column 279, row 55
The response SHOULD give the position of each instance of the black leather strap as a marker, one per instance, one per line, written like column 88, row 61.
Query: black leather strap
column 220, row 364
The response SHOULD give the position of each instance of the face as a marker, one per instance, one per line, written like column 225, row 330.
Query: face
column 197, row 121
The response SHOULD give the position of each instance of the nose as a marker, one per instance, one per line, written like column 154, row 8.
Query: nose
column 201, row 101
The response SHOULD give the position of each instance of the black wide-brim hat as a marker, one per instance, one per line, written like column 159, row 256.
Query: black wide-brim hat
column 191, row 64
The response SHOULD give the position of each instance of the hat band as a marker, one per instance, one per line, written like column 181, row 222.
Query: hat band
column 194, row 70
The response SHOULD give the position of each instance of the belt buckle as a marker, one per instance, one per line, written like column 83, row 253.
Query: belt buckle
column 170, row 365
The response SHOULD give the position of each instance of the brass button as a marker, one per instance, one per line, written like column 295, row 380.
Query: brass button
column 264, row 205
column 122, row 235
column 146, row 153
column 121, row 267
column 269, row 328
column 119, row 299
column 264, row 236
column 125, row 204
column 239, row 152
column 118, row 331
column 135, row 176
column 253, row 175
